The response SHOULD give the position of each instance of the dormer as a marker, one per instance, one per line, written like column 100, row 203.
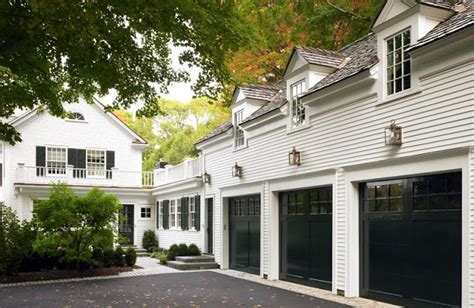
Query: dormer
column 246, row 100
column 398, row 25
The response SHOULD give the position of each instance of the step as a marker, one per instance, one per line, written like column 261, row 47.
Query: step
column 185, row 266
column 143, row 254
column 195, row 259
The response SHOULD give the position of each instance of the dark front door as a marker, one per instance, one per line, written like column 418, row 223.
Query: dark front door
column 306, row 236
column 210, row 225
column 126, row 223
column 411, row 240
column 244, row 235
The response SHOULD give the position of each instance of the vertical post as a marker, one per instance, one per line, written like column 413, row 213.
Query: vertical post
column 69, row 173
column 20, row 172
column 115, row 176
column 340, row 233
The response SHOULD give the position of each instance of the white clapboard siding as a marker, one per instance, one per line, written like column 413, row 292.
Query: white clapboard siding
column 166, row 238
column 340, row 230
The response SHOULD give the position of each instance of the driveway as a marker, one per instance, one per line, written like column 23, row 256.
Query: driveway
column 202, row 289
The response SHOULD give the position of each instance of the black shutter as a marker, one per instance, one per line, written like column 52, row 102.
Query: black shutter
column 40, row 160
column 110, row 163
column 72, row 159
column 1, row 175
column 184, row 213
column 157, row 215
column 77, row 157
column 198, row 212
column 166, row 213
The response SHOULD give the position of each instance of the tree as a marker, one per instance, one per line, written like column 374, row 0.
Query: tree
column 73, row 226
column 52, row 52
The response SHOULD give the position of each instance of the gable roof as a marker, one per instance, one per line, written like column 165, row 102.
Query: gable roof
column 258, row 92
column 316, row 56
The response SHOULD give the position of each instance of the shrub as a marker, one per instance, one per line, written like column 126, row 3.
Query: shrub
column 130, row 256
column 160, row 255
column 172, row 252
column 183, row 250
column 109, row 258
column 119, row 259
column 98, row 256
column 149, row 240
column 194, row 250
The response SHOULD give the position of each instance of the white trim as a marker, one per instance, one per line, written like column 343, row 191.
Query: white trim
column 105, row 164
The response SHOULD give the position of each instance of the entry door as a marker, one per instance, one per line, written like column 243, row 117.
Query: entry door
column 306, row 236
column 244, row 235
column 126, row 224
column 411, row 240
column 210, row 225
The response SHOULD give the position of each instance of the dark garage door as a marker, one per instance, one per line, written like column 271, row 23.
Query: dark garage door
column 411, row 240
column 306, row 237
column 244, row 221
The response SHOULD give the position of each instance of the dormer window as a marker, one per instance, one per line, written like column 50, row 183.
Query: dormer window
column 297, row 107
column 239, row 137
column 398, row 63
column 76, row 116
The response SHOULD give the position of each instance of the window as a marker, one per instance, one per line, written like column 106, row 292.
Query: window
column 238, row 132
column 160, row 215
column 56, row 160
column 95, row 163
column 145, row 212
column 76, row 116
column 192, row 213
column 384, row 197
column 298, row 110
column 398, row 63
column 173, row 213
column 178, row 213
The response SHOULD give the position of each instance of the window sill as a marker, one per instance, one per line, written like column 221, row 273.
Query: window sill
column 75, row 121
column 240, row 148
column 294, row 130
column 400, row 95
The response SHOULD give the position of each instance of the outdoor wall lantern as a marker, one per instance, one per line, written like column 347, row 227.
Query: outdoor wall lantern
column 294, row 157
column 393, row 134
column 236, row 171
column 206, row 178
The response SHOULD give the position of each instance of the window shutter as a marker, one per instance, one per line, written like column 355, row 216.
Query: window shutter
column 40, row 160
column 78, row 159
column 157, row 214
column 166, row 214
column 110, row 162
column 198, row 212
column 1, row 175
column 184, row 213
column 81, row 159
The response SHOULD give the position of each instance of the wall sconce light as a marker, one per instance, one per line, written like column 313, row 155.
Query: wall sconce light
column 393, row 134
column 236, row 171
column 294, row 157
column 206, row 178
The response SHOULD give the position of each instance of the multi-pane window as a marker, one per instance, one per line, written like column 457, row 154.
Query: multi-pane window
column 442, row 192
column 192, row 213
column 384, row 197
column 145, row 212
column 178, row 213
column 238, row 132
column 298, row 109
column 56, row 160
column 296, row 204
column 398, row 63
column 76, row 116
column 173, row 213
column 95, row 163
column 160, row 215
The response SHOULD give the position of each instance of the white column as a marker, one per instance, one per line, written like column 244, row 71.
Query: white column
column 339, row 231
column 468, row 233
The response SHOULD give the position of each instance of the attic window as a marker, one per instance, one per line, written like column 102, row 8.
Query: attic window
column 76, row 116
column 398, row 63
column 239, row 137
column 297, row 107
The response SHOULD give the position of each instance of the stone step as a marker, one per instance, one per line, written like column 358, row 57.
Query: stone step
column 195, row 259
column 143, row 254
column 185, row 266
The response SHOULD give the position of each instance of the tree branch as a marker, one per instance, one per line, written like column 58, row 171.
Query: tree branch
column 344, row 11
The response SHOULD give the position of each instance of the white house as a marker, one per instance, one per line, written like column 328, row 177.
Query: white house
column 354, row 173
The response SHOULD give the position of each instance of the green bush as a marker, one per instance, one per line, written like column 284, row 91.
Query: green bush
column 183, row 250
column 160, row 255
column 172, row 252
column 149, row 240
column 16, row 241
column 194, row 250
column 130, row 256
column 119, row 257
column 98, row 256
column 109, row 258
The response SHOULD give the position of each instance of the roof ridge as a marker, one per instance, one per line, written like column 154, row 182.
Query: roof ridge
column 356, row 41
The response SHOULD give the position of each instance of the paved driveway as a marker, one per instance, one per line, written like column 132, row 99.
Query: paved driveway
column 203, row 289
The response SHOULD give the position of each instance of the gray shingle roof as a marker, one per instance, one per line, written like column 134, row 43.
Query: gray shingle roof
column 362, row 55
column 219, row 130
column 442, row 4
column 319, row 56
column 277, row 102
column 457, row 22
column 258, row 92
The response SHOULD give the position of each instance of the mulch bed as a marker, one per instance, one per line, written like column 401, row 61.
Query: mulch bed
column 64, row 274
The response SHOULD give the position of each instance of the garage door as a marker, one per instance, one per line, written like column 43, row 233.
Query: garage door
column 306, row 237
column 411, row 239
column 244, row 234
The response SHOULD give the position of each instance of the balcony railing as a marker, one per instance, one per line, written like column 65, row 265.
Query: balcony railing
column 80, row 176
column 170, row 174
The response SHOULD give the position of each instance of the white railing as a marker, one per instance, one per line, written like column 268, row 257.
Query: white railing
column 80, row 176
column 190, row 168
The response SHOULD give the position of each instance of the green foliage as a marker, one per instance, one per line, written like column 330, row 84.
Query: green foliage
column 73, row 226
column 149, row 240
column 16, row 240
column 54, row 51
column 193, row 250
column 119, row 257
column 160, row 255
column 172, row 252
column 109, row 257
column 130, row 256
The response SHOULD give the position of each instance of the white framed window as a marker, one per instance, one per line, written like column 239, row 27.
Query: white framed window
column 76, row 116
column 239, row 134
column 145, row 212
column 192, row 213
column 160, row 215
column 172, row 217
column 95, row 163
column 298, row 111
column 398, row 62
column 56, row 160
column 178, row 213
